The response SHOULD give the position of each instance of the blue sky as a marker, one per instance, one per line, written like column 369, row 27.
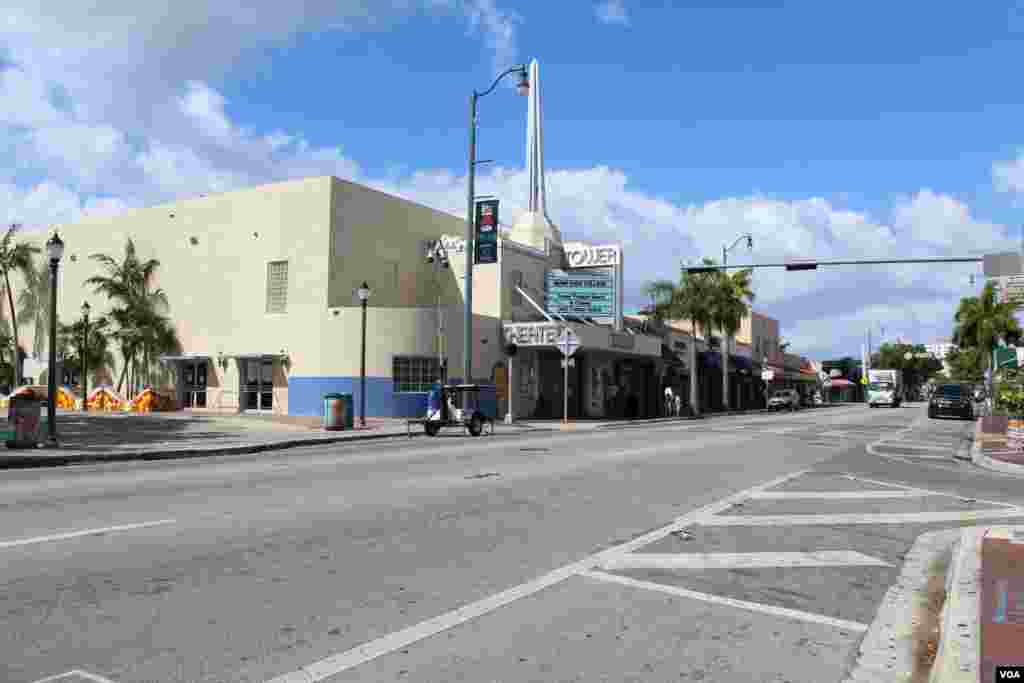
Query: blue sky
column 853, row 130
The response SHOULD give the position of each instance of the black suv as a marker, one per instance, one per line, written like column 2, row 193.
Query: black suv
column 953, row 400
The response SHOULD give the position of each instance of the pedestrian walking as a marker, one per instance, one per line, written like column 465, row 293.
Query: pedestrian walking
column 678, row 405
column 670, row 401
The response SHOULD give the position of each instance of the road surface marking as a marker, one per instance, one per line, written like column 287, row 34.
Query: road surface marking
column 830, row 446
column 835, row 495
column 730, row 602
column 84, row 532
column 343, row 661
column 917, row 456
column 76, row 672
column 824, row 558
column 915, row 446
column 930, row 492
column 858, row 518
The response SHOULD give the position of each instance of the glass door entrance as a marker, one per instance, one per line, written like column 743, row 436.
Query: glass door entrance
column 194, row 384
column 258, row 385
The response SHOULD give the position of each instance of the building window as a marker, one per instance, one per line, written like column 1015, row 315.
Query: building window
column 414, row 374
column 277, row 287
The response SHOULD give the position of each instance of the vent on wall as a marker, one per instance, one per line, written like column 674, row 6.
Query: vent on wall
column 277, row 287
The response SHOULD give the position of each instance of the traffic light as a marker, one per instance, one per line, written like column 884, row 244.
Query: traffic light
column 801, row 266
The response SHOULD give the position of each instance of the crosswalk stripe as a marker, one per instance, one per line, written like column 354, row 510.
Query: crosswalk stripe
column 865, row 518
column 836, row 495
column 730, row 602
column 823, row 558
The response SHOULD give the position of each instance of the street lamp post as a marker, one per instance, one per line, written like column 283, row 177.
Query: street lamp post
column 467, row 334
column 85, row 356
column 437, row 256
column 55, row 250
column 364, row 297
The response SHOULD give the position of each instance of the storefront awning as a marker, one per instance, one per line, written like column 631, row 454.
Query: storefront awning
column 254, row 356
column 172, row 358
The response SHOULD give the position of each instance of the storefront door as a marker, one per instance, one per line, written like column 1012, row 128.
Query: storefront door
column 193, row 383
column 258, row 384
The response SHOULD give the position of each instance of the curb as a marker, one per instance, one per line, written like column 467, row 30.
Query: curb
column 978, row 457
column 960, row 636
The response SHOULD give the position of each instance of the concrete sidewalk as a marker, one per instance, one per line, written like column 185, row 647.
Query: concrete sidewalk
column 983, row 617
column 992, row 451
column 119, row 437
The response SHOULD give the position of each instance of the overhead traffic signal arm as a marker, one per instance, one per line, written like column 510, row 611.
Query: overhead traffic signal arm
column 813, row 265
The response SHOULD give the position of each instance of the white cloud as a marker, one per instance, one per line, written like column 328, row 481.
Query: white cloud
column 612, row 12
column 1008, row 176
column 499, row 27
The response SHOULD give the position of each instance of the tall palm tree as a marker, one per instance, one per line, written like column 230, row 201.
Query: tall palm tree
column 138, row 315
column 689, row 300
column 16, row 257
column 34, row 304
column 730, row 303
column 981, row 322
column 71, row 339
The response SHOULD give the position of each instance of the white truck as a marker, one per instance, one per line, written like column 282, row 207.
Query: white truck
column 885, row 387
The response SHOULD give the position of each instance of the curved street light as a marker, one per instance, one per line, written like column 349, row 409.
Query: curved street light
column 523, row 88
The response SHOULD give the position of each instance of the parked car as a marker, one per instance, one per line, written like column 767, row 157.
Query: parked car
column 951, row 400
column 784, row 399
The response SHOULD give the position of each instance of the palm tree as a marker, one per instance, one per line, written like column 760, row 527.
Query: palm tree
column 15, row 257
column 34, row 304
column 730, row 303
column 689, row 300
column 981, row 322
column 138, row 316
column 70, row 338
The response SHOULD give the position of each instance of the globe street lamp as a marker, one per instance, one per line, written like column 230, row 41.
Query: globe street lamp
column 55, row 250
column 364, row 297
column 85, row 355
column 467, row 333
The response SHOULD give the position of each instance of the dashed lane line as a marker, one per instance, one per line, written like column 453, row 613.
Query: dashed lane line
column 730, row 602
column 686, row 561
column 343, row 661
column 84, row 532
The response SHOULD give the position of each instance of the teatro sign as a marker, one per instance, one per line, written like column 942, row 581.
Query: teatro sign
column 533, row 334
column 592, row 256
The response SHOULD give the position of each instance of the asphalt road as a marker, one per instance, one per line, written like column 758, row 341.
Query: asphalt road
column 737, row 549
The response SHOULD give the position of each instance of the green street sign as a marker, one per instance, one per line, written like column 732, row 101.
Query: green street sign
column 1006, row 357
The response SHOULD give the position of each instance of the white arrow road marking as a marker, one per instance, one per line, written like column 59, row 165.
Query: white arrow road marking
column 343, row 661
column 823, row 558
column 836, row 495
column 854, row 518
column 731, row 602
column 84, row 532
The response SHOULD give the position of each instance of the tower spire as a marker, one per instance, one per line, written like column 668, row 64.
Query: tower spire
column 534, row 227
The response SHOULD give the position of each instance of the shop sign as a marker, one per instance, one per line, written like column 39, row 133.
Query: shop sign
column 590, row 256
column 619, row 340
column 533, row 334
column 453, row 245
column 582, row 293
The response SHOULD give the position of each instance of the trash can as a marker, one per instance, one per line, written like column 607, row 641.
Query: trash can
column 23, row 415
column 337, row 412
